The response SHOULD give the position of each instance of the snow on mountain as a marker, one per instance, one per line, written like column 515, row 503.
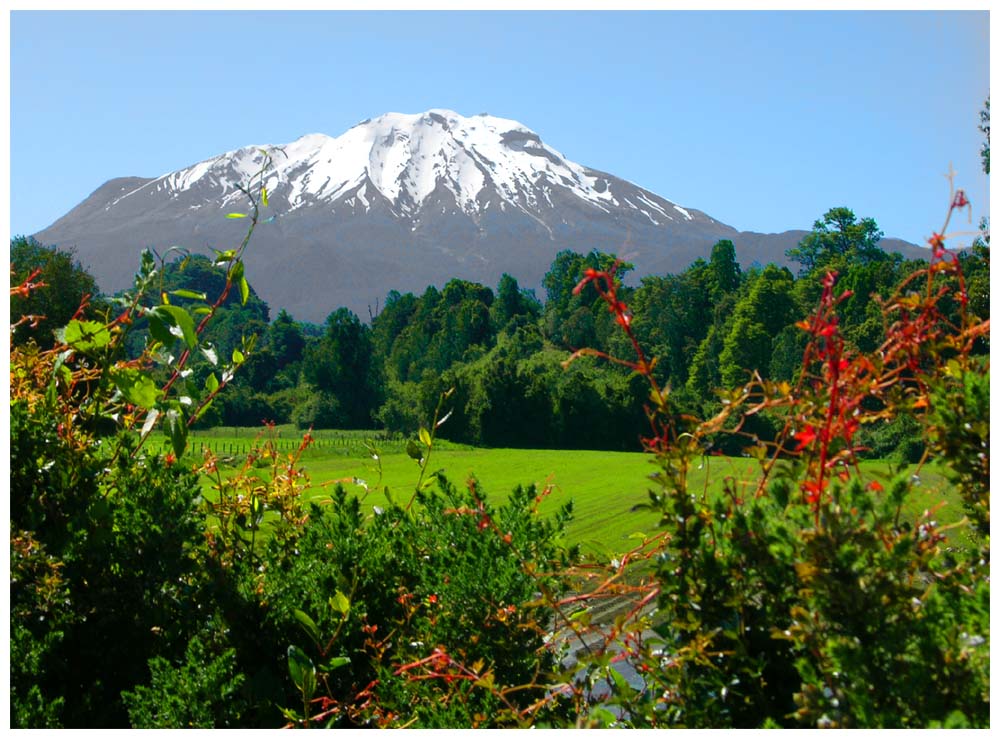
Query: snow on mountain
column 398, row 202
column 481, row 160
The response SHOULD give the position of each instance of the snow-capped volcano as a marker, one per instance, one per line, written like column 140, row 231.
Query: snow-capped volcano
column 481, row 161
column 398, row 202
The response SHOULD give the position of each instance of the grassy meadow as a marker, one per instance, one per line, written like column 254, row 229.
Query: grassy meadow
column 604, row 486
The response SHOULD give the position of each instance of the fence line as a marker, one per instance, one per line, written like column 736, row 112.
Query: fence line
column 348, row 446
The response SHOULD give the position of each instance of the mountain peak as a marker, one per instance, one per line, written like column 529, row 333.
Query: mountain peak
column 397, row 201
column 407, row 157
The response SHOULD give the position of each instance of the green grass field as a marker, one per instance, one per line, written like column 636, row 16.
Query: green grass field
column 604, row 486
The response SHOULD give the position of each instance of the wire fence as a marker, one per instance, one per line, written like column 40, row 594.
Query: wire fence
column 340, row 445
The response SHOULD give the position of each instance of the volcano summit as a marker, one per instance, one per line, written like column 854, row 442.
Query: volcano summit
column 397, row 202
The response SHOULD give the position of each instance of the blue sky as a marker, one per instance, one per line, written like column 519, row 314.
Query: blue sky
column 763, row 120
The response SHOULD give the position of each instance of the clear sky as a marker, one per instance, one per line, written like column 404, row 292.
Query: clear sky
column 763, row 120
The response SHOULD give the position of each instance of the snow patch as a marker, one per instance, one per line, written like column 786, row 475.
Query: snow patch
column 406, row 158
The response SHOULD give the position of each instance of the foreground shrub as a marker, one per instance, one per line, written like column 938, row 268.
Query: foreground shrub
column 107, row 532
column 807, row 596
column 200, row 692
column 102, row 560
column 406, row 592
column 137, row 600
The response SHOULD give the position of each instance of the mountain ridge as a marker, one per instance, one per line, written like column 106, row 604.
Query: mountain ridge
column 400, row 201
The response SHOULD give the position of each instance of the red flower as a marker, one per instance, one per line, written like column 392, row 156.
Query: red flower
column 805, row 437
column 432, row 599
column 813, row 491
column 960, row 200
column 937, row 245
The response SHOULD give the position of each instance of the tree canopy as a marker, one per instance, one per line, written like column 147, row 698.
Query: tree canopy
column 836, row 238
column 66, row 285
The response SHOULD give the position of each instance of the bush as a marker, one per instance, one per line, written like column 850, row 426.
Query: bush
column 201, row 692
column 102, row 570
column 443, row 588
column 108, row 567
column 319, row 410
column 900, row 440
column 806, row 597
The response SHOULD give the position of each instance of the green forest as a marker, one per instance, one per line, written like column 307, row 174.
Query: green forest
column 156, row 586
column 502, row 351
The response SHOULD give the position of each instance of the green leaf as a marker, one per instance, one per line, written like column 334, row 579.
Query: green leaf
column 413, row 450
column 188, row 294
column 244, row 290
column 147, row 266
column 302, row 671
column 263, row 195
column 176, row 430
column 167, row 322
column 340, row 603
column 202, row 411
column 602, row 717
column 211, row 384
column 238, row 357
column 425, row 437
column 298, row 663
column 222, row 257
column 84, row 335
column 236, row 272
column 621, row 683
column 308, row 625
column 581, row 617
column 135, row 386
column 334, row 664
column 256, row 511
column 486, row 681
column 236, row 215
column 183, row 321
column 159, row 329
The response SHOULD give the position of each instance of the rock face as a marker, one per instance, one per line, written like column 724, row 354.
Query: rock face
column 398, row 202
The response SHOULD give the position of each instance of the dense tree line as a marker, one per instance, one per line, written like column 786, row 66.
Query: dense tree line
column 709, row 327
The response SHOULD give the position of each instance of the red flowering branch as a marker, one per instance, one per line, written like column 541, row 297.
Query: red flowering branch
column 607, row 288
